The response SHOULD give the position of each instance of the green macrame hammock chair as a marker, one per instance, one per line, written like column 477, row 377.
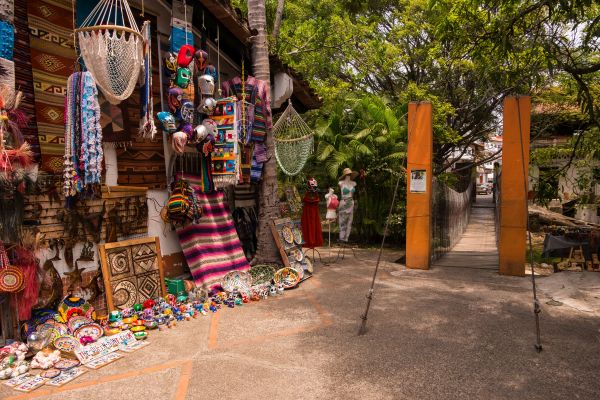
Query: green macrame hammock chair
column 293, row 141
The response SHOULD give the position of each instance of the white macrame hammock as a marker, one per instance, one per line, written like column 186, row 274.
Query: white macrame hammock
column 293, row 141
column 112, row 48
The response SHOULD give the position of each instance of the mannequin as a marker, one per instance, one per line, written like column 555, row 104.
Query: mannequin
column 332, row 205
column 346, row 208
column 311, row 220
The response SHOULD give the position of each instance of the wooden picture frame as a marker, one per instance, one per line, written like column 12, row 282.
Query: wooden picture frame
column 133, row 270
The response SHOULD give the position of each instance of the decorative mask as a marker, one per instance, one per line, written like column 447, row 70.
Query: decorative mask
column 184, row 75
column 187, row 111
column 208, row 106
column 185, row 56
column 212, row 71
column 201, row 59
column 188, row 129
column 211, row 126
column 200, row 133
column 175, row 97
column 171, row 63
column 178, row 142
column 207, row 85
column 167, row 121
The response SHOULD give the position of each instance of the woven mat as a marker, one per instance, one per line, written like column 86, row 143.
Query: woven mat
column 52, row 59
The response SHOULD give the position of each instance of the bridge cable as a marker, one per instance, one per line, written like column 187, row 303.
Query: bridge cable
column 363, row 327
column 536, row 304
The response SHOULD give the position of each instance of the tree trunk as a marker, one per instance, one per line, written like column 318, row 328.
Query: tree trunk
column 268, row 204
column 277, row 24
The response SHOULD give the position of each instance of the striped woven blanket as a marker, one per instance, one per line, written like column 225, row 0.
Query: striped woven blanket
column 211, row 247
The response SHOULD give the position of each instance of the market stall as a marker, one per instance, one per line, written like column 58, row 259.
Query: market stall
column 152, row 140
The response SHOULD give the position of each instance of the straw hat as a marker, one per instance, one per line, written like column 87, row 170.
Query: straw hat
column 348, row 171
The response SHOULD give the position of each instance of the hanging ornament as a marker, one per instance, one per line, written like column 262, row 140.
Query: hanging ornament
column 112, row 48
column 207, row 85
column 293, row 141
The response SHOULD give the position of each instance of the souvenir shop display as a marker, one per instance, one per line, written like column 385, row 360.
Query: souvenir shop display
column 294, row 141
column 346, row 207
column 112, row 48
column 311, row 219
column 133, row 272
column 226, row 148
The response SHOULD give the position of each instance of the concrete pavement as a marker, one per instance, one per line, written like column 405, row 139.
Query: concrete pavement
column 447, row 333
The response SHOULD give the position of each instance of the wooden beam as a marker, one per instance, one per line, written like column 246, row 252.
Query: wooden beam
column 418, row 197
column 514, row 181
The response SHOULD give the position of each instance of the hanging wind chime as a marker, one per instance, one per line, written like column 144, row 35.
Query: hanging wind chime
column 112, row 48
column 293, row 141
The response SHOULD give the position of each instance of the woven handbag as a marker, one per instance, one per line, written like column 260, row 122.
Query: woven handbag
column 11, row 277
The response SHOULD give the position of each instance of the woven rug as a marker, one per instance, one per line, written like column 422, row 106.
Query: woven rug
column 52, row 59
column 212, row 247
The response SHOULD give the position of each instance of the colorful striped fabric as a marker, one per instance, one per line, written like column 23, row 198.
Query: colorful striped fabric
column 211, row 247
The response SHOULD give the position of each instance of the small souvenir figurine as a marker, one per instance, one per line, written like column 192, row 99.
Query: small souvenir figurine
column 171, row 299
column 245, row 298
column 265, row 294
column 85, row 340
column 115, row 316
column 213, row 307
column 137, row 307
column 45, row 359
column 127, row 312
column 280, row 288
column 273, row 290
column 148, row 304
column 238, row 301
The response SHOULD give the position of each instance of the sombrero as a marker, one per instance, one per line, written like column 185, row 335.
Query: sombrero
column 348, row 171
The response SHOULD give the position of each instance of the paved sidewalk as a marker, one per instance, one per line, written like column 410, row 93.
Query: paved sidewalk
column 440, row 334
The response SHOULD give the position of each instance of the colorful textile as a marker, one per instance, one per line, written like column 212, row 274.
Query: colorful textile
column 311, row 221
column 226, row 148
column 7, row 40
column 7, row 10
column 83, row 134
column 52, row 58
column 256, row 171
column 345, row 217
column 257, row 95
column 211, row 247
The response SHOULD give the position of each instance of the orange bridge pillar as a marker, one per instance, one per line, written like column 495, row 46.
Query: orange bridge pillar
column 418, row 186
column 513, row 204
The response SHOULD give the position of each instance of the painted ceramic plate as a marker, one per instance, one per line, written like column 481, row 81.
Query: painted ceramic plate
column 262, row 273
column 11, row 279
column 289, row 277
column 297, row 235
column 50, row 373
column 309, row 264
column 299, row 268
column 66, row 343
column 66, row 364
column 299, row 256
column 78, row 321
column 240, row 280
column 287, row 234
column 94, row 330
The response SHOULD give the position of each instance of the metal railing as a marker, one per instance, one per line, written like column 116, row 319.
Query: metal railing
column 450, row 215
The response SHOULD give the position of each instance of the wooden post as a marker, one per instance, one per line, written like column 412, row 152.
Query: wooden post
column 418, row 186
column 515, row 172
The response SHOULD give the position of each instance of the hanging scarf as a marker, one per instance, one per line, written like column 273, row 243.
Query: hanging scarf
column 82, row 166
column 147, row 127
